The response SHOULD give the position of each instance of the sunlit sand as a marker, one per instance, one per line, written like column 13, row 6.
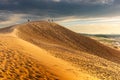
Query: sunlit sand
column 47, row 51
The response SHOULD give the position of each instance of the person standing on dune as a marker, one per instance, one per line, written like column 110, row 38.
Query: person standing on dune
column 28, row 20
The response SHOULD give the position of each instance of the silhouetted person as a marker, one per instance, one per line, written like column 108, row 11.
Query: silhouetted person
column 28, row 20
column 48, row 20
column 51, row 20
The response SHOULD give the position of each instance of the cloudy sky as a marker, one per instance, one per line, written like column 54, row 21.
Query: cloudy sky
column 82, row 16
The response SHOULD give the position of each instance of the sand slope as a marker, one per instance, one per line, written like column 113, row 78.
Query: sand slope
column 16, row 63
column 47, row 51
column 21, row 60
column 43, row 33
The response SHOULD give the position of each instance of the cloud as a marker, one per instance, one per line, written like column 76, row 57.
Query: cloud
column 101, row 1
column 59, row 9
column 94, row 28
column 90, row 1
column 56, row 0
column 53, row 9
column 11, row 19
column 93, row 25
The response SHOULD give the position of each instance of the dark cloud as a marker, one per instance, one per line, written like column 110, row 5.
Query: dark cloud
column 4, row 16
column 60, row 8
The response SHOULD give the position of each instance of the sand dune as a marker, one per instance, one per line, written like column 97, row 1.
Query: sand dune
column 47, row 51
column 28, row 61
column 44, row 33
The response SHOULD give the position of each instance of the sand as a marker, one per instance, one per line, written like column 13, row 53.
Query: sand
column 22, row 60
column 47, row 51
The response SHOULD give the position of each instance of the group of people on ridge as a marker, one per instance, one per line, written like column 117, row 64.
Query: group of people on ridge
column 49, row 20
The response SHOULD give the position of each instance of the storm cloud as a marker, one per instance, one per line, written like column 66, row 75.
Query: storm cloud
column 59, row 8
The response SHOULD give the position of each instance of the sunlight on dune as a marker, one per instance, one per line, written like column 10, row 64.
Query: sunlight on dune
column 47, row 51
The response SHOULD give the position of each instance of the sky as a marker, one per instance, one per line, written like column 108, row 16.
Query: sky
column 81, row 16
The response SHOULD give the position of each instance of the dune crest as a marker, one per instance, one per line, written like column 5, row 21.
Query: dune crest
column 45, row 33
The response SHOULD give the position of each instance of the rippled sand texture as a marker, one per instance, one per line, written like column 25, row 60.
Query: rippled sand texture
column 47, row 51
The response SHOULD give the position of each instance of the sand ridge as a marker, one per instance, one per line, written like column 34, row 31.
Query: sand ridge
column 60, row 54
column 23, row 60
column 52, row 33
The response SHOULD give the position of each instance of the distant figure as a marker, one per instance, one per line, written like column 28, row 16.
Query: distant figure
column 51, row 20
column 28, row 20
column 48, row 20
